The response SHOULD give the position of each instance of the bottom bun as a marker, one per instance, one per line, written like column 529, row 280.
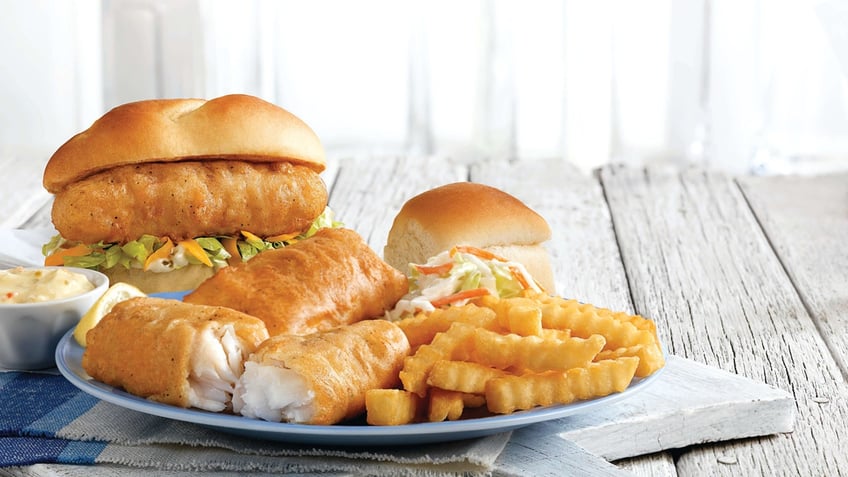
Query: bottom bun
column 186, row 278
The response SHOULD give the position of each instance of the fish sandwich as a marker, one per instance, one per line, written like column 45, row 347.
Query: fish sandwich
column 161, row 193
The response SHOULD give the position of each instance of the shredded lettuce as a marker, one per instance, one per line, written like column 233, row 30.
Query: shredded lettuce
column 134, row 254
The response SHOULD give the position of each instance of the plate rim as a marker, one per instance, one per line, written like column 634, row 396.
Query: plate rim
column 425, row 432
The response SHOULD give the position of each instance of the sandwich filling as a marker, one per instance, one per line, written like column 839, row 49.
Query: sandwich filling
column 160, row 254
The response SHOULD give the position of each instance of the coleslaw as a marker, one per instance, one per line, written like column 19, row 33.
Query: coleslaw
column 457, row 276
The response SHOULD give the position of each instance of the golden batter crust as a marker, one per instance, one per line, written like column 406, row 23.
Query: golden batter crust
column 184, row 200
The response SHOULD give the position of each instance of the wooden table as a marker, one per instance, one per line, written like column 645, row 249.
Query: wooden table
column 746, row 274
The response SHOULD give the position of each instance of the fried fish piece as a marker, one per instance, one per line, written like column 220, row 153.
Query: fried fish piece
column 321, row 378
column 172, row 352
column 190, row 199
column 330, row 279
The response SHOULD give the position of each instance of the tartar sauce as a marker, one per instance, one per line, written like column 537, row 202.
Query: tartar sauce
column 20, row 285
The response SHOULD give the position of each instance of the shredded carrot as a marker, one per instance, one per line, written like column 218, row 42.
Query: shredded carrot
column 479, row 252
column 231, row 246
column 161, row 252
column 250, row 236
column 520, row 277
column 282, row 237
column 57, row 258
column 195, row 250
column 435, row 269
column 462, row 295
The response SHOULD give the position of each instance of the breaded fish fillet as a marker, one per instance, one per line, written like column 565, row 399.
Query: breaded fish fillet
column 172, row 352
column 184, row 200
column 330, row 279
column 321, row 378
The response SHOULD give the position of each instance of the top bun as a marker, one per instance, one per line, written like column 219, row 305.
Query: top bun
column 466, row 213
column 169, row 130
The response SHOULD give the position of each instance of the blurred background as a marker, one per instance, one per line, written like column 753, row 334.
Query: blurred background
column 744, row 86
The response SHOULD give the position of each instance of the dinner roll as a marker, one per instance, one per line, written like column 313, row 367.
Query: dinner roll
column 466, row 213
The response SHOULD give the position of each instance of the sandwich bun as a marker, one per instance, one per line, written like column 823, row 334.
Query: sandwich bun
column 467, row 213
column 236, row 126
column 185, row 278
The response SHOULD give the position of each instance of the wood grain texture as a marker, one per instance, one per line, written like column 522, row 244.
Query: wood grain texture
column 368, row 192
column 806, row 220
column 583, row 247
column 698, row 262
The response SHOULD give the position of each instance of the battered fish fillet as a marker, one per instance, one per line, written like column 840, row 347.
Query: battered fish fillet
column 184, row 200
column 320, row 378
column 172, row 352
column 330, row 279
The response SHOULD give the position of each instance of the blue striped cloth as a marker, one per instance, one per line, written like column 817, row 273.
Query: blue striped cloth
column 45, row 419
column 35, row 407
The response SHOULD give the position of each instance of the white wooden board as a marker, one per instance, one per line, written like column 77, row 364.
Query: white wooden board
column 688, row 404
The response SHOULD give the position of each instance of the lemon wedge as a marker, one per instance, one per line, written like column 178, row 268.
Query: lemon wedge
column 114, row 294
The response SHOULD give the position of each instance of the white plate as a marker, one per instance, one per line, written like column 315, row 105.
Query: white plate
column 69, row 362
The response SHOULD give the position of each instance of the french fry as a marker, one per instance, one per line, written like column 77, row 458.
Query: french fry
column 423, row 327
column 602, row 378
column 470, row 356
column 552, row 334
column 532, row 352
column 583, row 321
column 639, row 322
column 473, row 400
column 445, row 405
column 510, row 393
column 620, row 330
column 519, row 315
column 463, row 376
column 524, row 320
column 391, row 407
column 453, row 343
column 650, row 357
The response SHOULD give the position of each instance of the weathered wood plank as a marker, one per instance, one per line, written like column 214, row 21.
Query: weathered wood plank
column 585, row 256
column 806, row 220
column 698, row 262
column 583, row 248
column 368, row 192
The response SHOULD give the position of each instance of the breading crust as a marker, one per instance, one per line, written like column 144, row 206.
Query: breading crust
column 190, row 199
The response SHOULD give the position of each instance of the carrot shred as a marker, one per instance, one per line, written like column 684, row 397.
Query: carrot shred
column 231, row 246
column 282, row 237
column 161, row 252
column 435, row 269
column 250, row 236
column 479, row 252
column 520, row 277
column 462, row 295
column 194, row 249
column 57, row 258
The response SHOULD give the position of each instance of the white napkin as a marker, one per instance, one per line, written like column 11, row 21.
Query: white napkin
column 19, row 247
